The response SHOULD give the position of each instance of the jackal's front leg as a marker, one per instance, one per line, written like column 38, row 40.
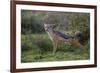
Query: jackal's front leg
column 54, row 47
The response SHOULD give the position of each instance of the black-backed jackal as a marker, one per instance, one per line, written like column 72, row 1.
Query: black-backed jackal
column 58, row 37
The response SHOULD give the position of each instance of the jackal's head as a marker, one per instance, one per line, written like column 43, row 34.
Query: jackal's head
column 48, row 27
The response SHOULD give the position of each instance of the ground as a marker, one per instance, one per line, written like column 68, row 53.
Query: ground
column 38, row 48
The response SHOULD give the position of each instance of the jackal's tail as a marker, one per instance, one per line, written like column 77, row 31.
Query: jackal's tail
column 76, row 43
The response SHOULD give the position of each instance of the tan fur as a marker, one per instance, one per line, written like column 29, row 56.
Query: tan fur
column 56, row 39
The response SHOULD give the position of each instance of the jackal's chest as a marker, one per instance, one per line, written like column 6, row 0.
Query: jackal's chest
column 54, row 37
column 51, row 35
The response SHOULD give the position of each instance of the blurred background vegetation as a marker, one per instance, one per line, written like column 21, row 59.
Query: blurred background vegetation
column 35, row 43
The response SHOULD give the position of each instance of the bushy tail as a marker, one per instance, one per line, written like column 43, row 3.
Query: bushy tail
column 76, row 43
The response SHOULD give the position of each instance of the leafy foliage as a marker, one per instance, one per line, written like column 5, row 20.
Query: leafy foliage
column 32, row 21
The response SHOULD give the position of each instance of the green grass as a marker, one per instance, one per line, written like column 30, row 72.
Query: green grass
column 38, row 48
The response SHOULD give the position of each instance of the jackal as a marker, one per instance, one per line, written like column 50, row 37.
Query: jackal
column 58, row 37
